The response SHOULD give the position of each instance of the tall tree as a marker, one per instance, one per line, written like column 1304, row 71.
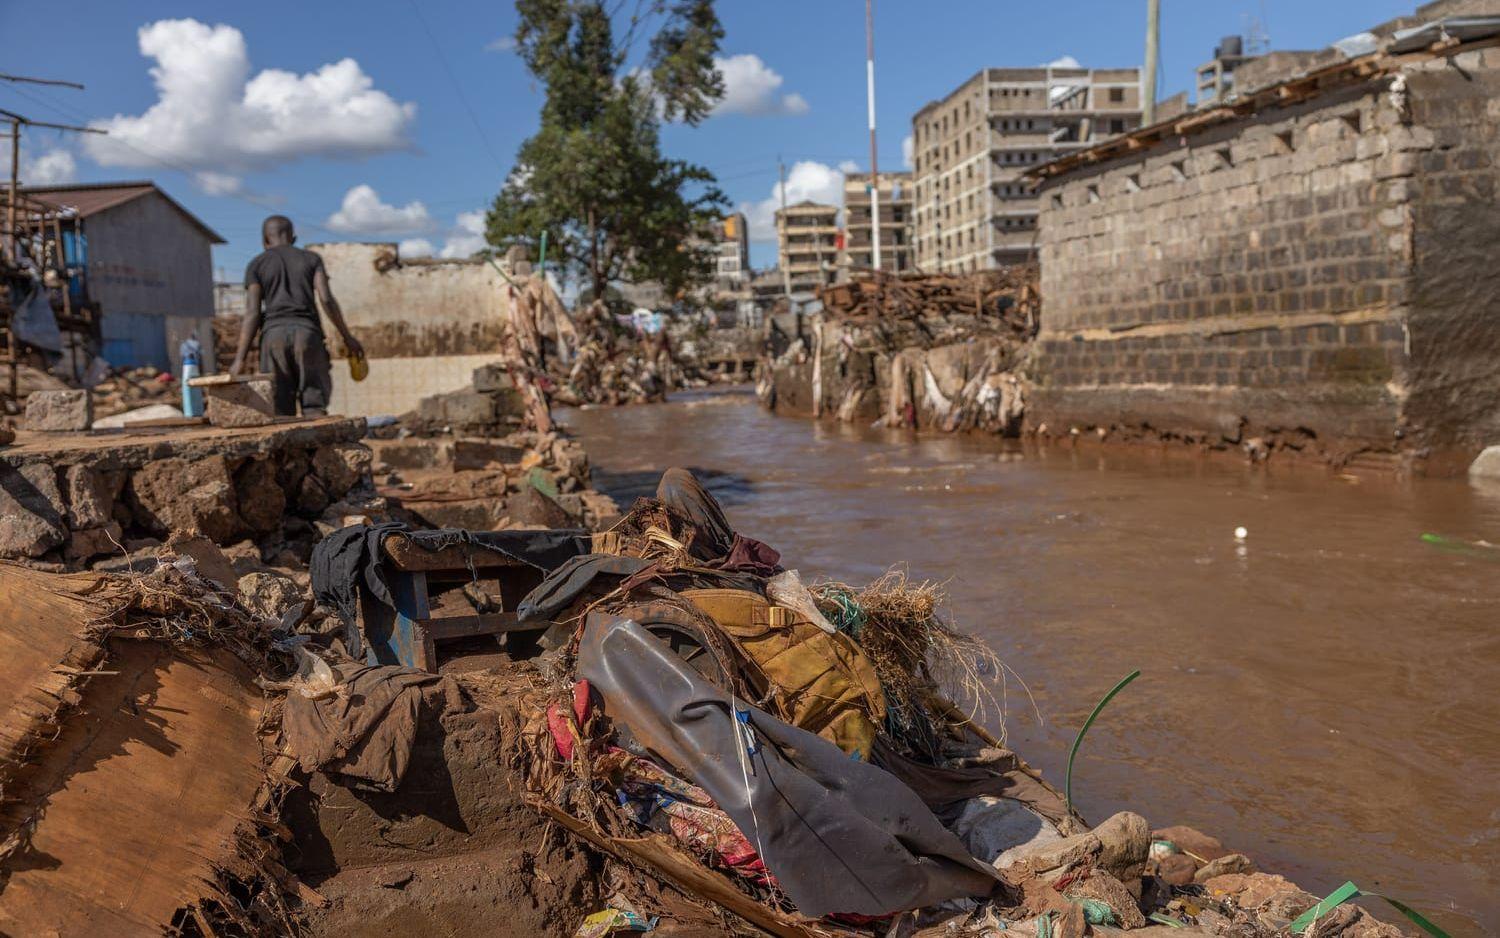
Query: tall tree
column 594, row 176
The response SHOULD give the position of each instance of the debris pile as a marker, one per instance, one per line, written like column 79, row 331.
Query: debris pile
column 704, row 741
column 936, row 351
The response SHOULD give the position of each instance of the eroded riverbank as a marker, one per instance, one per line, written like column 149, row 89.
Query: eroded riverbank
column 1318, row 695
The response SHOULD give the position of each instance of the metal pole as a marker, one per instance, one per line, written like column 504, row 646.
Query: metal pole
column 15, row 189
column 874, row 167
column 1148, row 81
column 781, row 237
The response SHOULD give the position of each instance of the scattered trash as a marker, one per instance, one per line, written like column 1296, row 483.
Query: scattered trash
column 609, row 921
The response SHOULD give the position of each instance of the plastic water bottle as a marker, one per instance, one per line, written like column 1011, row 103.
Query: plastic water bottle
column 192, row 398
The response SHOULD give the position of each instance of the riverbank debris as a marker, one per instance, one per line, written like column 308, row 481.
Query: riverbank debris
column 633, row 720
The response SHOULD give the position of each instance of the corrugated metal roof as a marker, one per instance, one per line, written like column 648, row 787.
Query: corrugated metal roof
column 92, row 198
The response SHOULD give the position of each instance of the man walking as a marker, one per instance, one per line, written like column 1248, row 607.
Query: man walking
column 281, row 283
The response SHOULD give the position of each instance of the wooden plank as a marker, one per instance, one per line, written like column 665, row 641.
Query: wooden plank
column 487, row 623
column 696, row 881
column 405, row 555
column 166, row 422
column 210, row 381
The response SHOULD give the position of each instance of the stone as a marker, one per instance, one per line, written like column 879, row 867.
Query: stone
column 1486, row 465
column 87, row 543
column 262, row 502
column 1176, row 869
column 342, row 466
column 211, row 562
column 90, row 496
column 32, row 508
column 241, row 404
column 1125, row 841
column 492, row 378
column 412, row 453
column 1190, row 841
column 483, row 454
column 268, row 594
column 469, row 409
column 7, row 435
column 1232, row 863
column 57, row 411
column 530, row 507
column 180, row 497
column 1113, row 893
column 312, row 498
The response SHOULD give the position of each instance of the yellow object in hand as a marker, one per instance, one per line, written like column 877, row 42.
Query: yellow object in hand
column 359, row 368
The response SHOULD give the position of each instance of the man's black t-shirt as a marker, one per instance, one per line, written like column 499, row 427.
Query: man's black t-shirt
column 285, row 275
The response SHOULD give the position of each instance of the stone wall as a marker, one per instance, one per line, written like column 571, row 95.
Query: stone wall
column 1317, row 275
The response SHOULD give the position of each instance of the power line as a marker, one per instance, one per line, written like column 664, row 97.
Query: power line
column 457, row 88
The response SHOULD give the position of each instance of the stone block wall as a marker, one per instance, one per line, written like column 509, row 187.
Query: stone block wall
column 1291, row 275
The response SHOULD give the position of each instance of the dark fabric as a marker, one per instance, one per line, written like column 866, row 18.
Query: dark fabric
column 563, row 586
column 682, row 493
column 351, row 558
column 285, row 276
column 297, row 360
column 942, row 787
column 751, row 556
column 839, row 835
column 365, row 733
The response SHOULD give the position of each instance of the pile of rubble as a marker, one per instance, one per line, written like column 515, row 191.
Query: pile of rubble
column 940, row 351
column 704, row 745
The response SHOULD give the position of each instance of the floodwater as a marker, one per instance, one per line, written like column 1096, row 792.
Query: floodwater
column 1323, row 696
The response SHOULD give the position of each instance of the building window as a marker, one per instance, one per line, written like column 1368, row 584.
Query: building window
column 1057, row 200
column 1117, row 96
column 1093, row 193
column 1288, row 145
column 1179, row 170
column 1133, row 182
column 1116, row 126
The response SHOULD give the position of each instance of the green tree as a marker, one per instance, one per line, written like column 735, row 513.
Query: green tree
column 594, row 176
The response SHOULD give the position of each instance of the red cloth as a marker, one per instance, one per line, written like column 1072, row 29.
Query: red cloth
column 563, row 734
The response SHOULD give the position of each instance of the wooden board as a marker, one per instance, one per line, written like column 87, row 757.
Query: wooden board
column 211, row 381
column 405, row 555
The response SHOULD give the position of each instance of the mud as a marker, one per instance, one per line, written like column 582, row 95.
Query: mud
column 1317, row 695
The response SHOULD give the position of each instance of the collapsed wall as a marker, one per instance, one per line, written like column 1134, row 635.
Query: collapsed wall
column 1314, row 270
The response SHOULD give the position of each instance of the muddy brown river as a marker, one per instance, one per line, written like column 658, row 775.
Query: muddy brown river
column 1321, row 695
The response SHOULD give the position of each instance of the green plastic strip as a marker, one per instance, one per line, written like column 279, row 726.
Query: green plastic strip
column 1068, row 780
column 1167, row 920
column 1349, row 891
column 541, row 482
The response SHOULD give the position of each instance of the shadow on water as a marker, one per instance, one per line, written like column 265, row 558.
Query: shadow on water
column 626, row 486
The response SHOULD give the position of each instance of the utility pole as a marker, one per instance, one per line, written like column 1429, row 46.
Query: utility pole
column 874, row 167
column 783, row 252
column 1148, row 84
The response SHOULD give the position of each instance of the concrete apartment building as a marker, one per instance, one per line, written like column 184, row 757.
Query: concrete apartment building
column 895, row 224
column 732, row 253
column 807, row 234
column 1314, row 261
column 973, row 208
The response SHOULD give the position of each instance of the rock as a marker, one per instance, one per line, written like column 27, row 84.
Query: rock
column 413, row 453
column 1486, row 465
column 1177, row 869
column 483, row 454
column 312, row 498
column 90, row 496
column 995, row 830
column 1190, row 841
column 470, row 409
column 59, row 410
column 1233, row 863
column 1261, row 891
column 32, row 508
column 262, row 502
column 180, row 497
column 7, row 435
column 342, row 466
column 240, row 404
column 1125, row 840
column 1111, row 892
column 87, row 543
column 211, row 562
column 530, row 506
column 268, row 595
column 492, row 378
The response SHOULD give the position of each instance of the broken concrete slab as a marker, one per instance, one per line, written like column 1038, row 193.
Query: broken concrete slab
column 88, row 543
column 56, row 411
column 242, row 404
column 342, row 466
column 470, row 453
column 32, row 506
column 91, row 495
column 177, row 496
column 1486, row 465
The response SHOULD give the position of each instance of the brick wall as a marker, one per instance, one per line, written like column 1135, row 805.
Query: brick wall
column 1253, row 279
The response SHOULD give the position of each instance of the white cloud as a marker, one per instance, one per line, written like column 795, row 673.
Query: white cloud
column 467, row 236
column 363, row 213
column 753, row 87
column 908, row 148
column 848, row 166
column 212, row 117
column 50, row 169
column 807, row 181
column 213, row 183
column 503, row 44
column 414, row 247
column 1066, row 61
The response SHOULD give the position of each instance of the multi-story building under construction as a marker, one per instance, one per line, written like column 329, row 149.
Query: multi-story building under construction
column 972, row 208
column 807, row 233
column 895, row 224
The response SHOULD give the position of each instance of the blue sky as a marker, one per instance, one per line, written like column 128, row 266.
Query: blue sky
column 398, row 119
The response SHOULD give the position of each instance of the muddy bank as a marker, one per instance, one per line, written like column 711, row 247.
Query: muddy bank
column 1313, row 695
